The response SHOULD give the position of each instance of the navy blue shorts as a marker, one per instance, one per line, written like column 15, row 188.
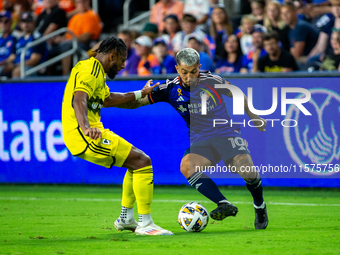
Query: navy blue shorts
column 219, row 148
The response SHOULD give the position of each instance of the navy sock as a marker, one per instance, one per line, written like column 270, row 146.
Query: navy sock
column 255, row 188
column 206, row 186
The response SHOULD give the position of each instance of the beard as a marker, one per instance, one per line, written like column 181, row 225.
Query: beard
column 112, row 72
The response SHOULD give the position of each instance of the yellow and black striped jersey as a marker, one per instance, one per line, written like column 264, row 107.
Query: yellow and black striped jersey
column 87, row 76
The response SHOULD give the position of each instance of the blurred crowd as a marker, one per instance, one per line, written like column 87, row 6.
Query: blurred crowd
column 269, row 36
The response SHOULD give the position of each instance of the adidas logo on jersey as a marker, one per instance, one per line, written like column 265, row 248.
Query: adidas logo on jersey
column 198, row 185
column 180, row 99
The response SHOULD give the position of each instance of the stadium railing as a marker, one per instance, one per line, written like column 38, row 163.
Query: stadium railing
column 24, row 73
column 126, row 14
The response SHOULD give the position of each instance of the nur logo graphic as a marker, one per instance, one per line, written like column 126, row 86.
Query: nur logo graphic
column 205, row 94
column 316, row 139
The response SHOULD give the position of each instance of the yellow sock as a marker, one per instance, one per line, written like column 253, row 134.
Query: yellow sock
column 143, row 188
column 128, row 198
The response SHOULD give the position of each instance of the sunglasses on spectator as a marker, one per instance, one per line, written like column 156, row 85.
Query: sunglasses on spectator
column 334, row 29
column 5, row 21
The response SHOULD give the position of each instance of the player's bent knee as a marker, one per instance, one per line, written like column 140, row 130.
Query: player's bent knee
column 137, row 159
column 145, row 160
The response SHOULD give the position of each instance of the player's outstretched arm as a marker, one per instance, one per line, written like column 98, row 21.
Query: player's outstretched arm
column 80, row 109
column 130, row 100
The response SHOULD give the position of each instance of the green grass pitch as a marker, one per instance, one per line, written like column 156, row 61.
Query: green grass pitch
column 79, row 220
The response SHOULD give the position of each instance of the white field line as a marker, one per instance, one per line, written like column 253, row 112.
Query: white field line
column 155, row 201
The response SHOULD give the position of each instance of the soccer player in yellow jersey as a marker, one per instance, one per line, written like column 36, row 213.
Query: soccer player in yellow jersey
column 85, row 94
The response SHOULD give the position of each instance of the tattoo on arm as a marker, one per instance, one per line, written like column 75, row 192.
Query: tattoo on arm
column 134, row 104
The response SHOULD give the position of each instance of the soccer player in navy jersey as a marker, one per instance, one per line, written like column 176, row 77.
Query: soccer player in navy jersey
column 209, row 144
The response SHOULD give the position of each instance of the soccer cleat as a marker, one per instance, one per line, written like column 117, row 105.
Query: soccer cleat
column 223, row 210
column 120, row 225
column 152, row 230
column 261, row 218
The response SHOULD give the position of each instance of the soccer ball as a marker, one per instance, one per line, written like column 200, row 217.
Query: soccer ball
column 193, row 217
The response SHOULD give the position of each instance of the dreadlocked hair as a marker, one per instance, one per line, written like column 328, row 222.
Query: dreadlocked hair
column 111, row 44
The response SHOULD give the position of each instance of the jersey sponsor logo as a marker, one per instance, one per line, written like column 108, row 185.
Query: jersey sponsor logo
column 86, row 84
column 310, row 144
column 180, row 99
column 9, row 44
column 106, row 142
column 95, row 104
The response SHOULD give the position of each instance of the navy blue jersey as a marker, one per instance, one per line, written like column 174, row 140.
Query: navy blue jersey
column 39, row 49
column 7, row 46
column 187, row 102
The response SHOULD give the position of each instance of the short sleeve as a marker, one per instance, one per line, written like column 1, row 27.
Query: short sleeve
column 12, row 47
column 159, row 94
column 290, row 62
column 107, row 91
column 59, row 18
column 261, row 64
column 300, row 33
column 39, row 49
column 86, row 83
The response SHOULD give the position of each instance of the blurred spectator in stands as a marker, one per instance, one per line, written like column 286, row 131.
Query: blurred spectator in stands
column 302, row 35
column 331, row 61
column 7, row 41
column 148, row 63
column 200, row 10
column 164, row 8
column 20, row 6
column 324, row 39
column 51, row 18
column 195, row 42
column 132, row 60
column 86, row 25
column 8, row 5
column 232, row 57
column 38, row 6
column 212, row 5
column 150, row 30
column 170, row 29
column 313, row 8
column 189, row 26
column 273, row 22
column 244, row 32
column 166, row 61
column 277, row 59
column 69, row 7
column 219, row 30
column 34, row 55
column 258, row 10
column 256, row 50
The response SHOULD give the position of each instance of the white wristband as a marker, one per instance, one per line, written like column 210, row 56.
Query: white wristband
column 138, row 94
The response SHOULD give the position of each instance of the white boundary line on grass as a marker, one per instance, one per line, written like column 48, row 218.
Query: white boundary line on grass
column 155, row 201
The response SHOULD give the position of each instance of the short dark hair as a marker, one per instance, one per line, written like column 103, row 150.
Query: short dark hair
column 189, row 18
column 126, row 32
column 271, row 35
column 111, row 44
column 290, row 5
